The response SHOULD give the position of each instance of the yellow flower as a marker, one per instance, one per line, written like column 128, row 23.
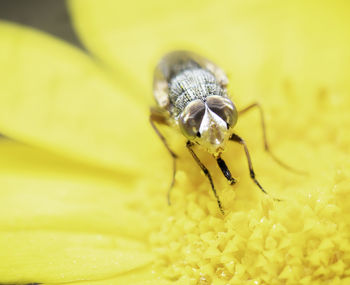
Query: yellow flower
column 83, row 200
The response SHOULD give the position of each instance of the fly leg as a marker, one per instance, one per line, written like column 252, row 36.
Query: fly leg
column 266, row 145
column 189, row 146
column 159, row 117
column 239, row 140
column 224, row 169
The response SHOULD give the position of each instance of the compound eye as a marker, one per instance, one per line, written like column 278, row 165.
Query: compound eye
column 224, row 108
column 191, row 118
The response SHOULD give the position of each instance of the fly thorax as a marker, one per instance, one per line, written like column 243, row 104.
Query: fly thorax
column 190, row 85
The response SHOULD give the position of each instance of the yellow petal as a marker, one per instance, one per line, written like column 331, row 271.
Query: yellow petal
column 261, row 44
column 131, row 39
column 63, row 221
column 54, row 96
column 141, row 276
column 58, row 257
column 43, row 191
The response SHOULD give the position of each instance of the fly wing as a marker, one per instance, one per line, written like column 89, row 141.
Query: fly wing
column 177, row 61
column 161, row 89
column 219, row 74
column 168, row 67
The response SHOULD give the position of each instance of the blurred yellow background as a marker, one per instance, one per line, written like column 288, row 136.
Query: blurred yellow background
column 84, row 178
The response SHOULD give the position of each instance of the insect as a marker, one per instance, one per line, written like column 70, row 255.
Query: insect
column 191, row 95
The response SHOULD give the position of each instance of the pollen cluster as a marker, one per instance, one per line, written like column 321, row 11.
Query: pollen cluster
column 304, row 239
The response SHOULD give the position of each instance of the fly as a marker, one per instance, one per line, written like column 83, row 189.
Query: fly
column 191, row 95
